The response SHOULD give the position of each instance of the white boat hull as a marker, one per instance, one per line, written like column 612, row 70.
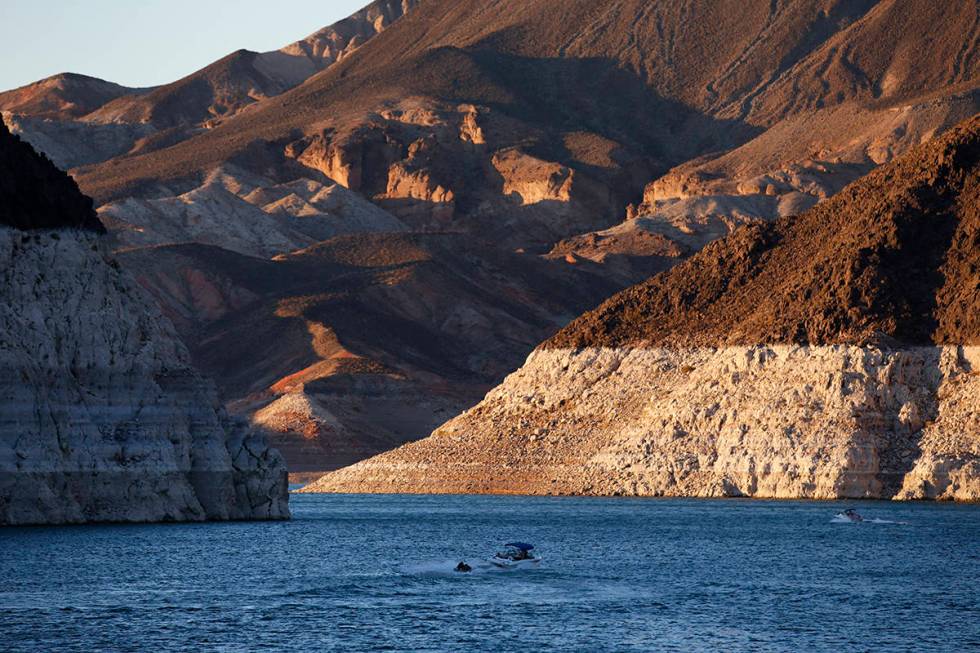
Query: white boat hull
column 505, row 563
column 855, row 519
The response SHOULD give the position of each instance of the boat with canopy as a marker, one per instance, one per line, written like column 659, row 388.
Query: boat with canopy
column 515, row 555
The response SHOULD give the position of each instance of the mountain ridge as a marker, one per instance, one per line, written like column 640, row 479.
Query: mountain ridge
column 829, row 355
column 145, row 119
column 864, row 263
column 469, row 32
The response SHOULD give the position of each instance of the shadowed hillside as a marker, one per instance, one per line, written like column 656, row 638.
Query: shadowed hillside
column 892, row 258
column 522, row 146
column 830, row 355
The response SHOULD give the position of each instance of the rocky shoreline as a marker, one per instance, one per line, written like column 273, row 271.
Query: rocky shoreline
column 767, row 421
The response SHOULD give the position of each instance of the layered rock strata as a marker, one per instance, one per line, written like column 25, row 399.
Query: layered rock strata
column 102, row 416
column 834, row 354
column 767, row 421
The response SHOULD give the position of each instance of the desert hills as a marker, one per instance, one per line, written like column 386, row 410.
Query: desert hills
column 80, row 120
column 493, row 151
column 357, row 344
column 829, row 355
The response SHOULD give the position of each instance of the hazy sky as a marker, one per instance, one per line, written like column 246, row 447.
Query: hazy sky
column 147, row 42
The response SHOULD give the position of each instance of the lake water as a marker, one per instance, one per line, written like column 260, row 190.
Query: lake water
column 373, row 573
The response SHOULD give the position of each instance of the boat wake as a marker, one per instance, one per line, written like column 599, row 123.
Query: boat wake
column 448, row 568
column 838, row 519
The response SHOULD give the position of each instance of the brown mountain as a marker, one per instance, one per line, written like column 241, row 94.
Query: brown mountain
column 63, row 96
column 65, row 113
column 892, row 258
column 525, row 129
column 645, row 75
column 242, row 78
column 360, row 343
column 830, row 355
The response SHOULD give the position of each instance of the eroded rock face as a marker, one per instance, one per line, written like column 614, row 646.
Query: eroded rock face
column 332, row 44
column 246, row 213
column 783, row 172
column 769, row 421
column 102, row 417
column 430, row 163
column 676, row 386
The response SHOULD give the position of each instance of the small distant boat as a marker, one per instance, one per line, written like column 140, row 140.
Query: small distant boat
column 850, row 515
column 515, row 556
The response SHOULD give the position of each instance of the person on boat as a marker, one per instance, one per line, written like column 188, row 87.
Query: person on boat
column 853, row 515
column 517, row 551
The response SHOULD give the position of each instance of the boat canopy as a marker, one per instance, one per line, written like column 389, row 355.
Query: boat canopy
column 523, row 546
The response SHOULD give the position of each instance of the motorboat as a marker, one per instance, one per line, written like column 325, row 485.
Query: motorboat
column 515, row 555
column 850, row 515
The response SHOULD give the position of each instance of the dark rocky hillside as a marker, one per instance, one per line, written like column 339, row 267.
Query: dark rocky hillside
column 34, row 194
column 894, row 258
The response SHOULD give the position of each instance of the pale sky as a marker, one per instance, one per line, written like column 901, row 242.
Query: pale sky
column 147, row 42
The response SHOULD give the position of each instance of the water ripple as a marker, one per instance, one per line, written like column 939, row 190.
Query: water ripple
column 376, row 573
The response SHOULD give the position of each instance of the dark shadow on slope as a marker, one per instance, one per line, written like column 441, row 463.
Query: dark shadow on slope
column 562, row 95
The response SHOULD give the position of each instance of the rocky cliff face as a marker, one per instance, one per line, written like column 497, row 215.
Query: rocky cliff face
column 102, row 416
column 332, row 44
column 438, row 165
column 246, row 213
column 767, row 421
column 830, row 355
column 529, row 127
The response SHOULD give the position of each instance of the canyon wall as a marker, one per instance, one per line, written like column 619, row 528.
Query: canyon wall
column 102, row 416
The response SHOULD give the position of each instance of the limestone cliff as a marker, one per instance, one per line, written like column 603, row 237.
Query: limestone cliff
column 102, row 416
column 834, row 354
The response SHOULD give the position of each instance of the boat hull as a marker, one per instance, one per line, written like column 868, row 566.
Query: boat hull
column 504, row 563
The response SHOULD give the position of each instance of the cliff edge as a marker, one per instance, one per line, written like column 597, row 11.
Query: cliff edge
column 102, row 416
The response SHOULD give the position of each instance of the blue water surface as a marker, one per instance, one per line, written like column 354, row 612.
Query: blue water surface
column 374, row 573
